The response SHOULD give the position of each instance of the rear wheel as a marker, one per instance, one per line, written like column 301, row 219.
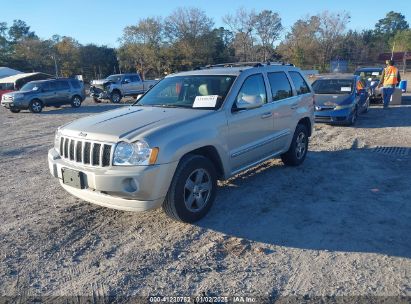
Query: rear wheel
column 298, row 148
column 14, row 110
column 76, row 101
column 115, row 97
column 192, row 190
column 35, row 106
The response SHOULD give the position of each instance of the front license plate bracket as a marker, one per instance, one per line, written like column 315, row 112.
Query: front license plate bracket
column 72, row 178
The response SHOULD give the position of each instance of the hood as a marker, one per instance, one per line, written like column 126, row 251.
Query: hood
column 331, row 99
column 129, row 122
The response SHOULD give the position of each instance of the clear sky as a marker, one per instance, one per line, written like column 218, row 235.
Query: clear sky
column 102, row 22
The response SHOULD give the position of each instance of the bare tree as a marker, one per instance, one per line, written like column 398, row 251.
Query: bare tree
column 242, row 24
column 268, row 27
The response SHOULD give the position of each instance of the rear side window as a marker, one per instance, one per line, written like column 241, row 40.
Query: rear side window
column 280, row 86
column 75, row 84
column 299, row 83
column 62, row 85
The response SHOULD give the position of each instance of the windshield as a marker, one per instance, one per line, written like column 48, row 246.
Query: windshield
column 31, row 86
column 333, row 86
column 114, row 78
column 373, row 74
column 200, row 91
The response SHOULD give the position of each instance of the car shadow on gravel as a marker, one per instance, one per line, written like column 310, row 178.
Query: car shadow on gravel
column 85, row 109
column 349, row 201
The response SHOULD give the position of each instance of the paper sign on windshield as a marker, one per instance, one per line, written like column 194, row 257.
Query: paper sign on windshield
column 375, row 73
column 345, row 89
column 208, row 101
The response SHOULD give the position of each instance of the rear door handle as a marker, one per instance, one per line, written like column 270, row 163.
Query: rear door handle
column 266, row 115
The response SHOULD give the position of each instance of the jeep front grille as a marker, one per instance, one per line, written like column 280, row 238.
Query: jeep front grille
column 86, row 152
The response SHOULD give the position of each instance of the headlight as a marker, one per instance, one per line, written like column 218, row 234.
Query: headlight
column 138, row 153
column 57, row 137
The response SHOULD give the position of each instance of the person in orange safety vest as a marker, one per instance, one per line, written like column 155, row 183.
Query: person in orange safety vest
column 390, row 78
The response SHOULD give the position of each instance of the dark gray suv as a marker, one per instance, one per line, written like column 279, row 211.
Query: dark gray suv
column 36, row 95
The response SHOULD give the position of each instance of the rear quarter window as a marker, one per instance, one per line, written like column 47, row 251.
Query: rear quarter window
column 299, row 83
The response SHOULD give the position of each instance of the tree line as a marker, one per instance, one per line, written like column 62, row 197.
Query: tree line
column 188, row 39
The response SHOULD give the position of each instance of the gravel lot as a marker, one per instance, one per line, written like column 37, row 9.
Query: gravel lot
column 338, row 225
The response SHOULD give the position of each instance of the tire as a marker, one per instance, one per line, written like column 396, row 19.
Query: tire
column 115, row 97
column 186, row 200
column 35, row 106
column 96, row 100
column 353, row 118
column 76, row 101
column 14, row 110
column 298, row 148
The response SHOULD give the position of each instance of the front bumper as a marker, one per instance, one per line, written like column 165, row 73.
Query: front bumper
column 334, row 116
column 134, row 188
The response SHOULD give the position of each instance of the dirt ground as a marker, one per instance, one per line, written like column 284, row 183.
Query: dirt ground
column 339, row 225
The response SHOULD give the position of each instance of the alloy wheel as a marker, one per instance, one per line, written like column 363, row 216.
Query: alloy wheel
column 301, row 145
column 197, row 190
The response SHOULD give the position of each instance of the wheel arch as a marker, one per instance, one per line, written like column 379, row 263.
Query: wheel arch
column 306, row 122
column 211, row 153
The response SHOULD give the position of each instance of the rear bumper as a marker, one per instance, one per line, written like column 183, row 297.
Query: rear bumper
column 136, row 188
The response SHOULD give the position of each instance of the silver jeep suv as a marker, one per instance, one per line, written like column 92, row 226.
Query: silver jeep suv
column 190, row 130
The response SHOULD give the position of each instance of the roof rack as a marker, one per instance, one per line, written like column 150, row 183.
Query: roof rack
column 254, row 64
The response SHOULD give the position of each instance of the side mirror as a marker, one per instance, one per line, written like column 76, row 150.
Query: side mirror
column 139, row 96
column 247, row 102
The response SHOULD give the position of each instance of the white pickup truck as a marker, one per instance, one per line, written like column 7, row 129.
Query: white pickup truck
column 117, row 86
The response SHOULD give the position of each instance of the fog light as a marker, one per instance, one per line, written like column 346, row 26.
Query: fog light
column 130, row 185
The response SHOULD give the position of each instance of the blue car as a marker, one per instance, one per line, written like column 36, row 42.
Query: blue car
column 340, row 98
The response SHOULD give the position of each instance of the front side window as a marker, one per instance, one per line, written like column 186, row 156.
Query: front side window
column 253, row 90
column 195, row 91
column 31, row 86
column 280, row 86
column 114, row 78
column 134, row 78
column 300, row 85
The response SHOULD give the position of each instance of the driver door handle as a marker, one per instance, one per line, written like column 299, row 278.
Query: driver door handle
column 266, row 115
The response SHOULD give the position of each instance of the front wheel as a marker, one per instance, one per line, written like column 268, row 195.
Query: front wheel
column 14, row 110
column 76, row 101
column 115, row 97
column 192, row 190
column 35, row 106
column 298, row 148
column 353, row 118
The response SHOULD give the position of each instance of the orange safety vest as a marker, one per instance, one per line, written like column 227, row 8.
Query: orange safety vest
column 391, row 75
column 359, row 85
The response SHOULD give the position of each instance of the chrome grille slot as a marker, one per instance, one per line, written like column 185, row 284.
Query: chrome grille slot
column 79, row 157
column 96, row 154
column 86, row 152
column 106, row 155
column 71, row 150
